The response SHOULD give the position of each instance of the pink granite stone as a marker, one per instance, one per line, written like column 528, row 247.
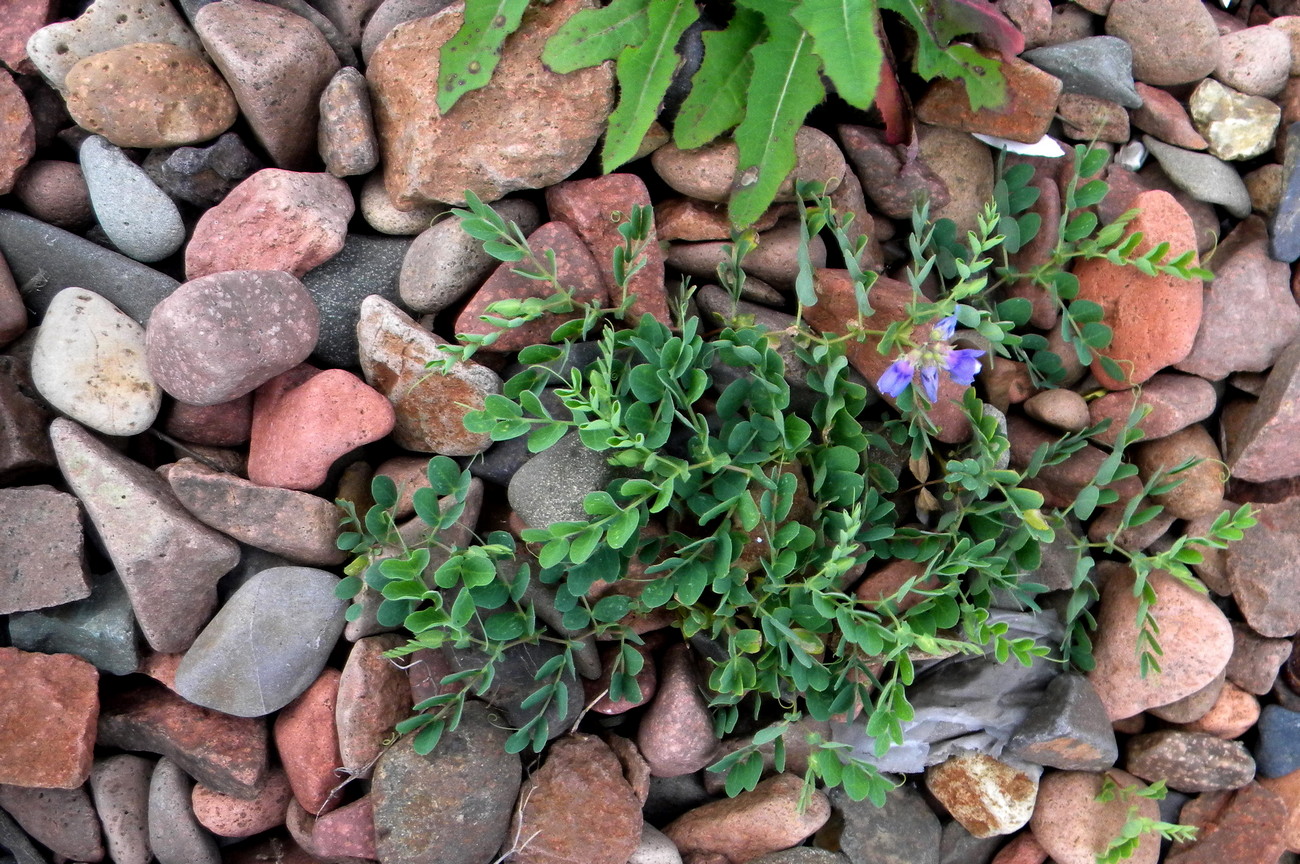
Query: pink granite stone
column 676, row 732
column 305, row 418
column 308, row 744
column 58, row 695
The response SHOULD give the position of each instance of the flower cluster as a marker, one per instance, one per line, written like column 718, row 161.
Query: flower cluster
column 936, row 354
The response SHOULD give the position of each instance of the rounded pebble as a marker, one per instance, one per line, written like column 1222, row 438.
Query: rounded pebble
column 136, row 215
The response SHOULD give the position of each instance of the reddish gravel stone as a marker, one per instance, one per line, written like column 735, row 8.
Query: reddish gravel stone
column 676, row 732
column 17, row 132
column 1195, row 635
column 647, row 680
column 837, row 305
column 1201, row 491
column 277, row 63
column 227, row 816
column 150, row 94
column 226, row 424
column 1074, row 827
column 1031, row 103
column 22, row 18
column 694, row 220
column 1264, row 569
column 308, row 744
column 594, row 209
column 1255, row 659
column 347, row 832
column 892, row 177
column 1154, row 318
column 41, row 545
column 1244, row 827
column 58, row 695
column 55, row 192
column 579, row 786
column 1177, row 401
column 305, row 419
column 1165, row 117
column 1263, row 448
column 1173, row 41
column 709, row 173
column 1231, row 716
column 1061, row 483
column 1287, row 787
column 765, row 819
column 374, row 696
column 527, row 129
column 227, row 754
column 220, row 336
column 1023, row 849
column 62, row 819
column 274, row 220
column 574, row 264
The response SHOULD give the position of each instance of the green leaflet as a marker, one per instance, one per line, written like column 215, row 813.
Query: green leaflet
column 467, row 60
column 844, row 36
column 784, row 88
column 985, row 85
column 716, row 102
column 644, row 73
column 596, row 35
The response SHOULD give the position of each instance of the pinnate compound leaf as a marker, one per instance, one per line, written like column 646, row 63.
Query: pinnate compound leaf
column 844, row 37
column 595, row 35
column 467, row 60
column 644, row 72
column 786, row 85
column 716, row 103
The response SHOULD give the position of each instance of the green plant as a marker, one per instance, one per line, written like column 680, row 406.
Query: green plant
column 1125, row 843
column 748, row 516
column 760, row 76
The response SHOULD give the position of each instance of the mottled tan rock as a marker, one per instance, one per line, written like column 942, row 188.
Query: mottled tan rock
column 579, row 786
column 989, row 797
column 1195, row 636
column 1189, row 761
column 754, row 823
column 527, row 129
column 1154, row 319
column 1237, row 126
column 58, row 695
column 152, row 94
column 347, row 141
column 1063, row 409
column 965, row 166
column 1088, row 118
column 695, row 220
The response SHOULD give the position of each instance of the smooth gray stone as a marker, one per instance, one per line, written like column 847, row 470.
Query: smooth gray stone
column 366, row 265
column 100, row 629
column 175, row 835
column 1202, row 176
column 959, row 846
column 137, row 216
column 1284, row 232
column 801, row 855
column 550, row 486
column 267, row 645
column 904, row 831
column 1068, row 729
column 965, row 703
column 45, row 260
column 1100, row 66
column 18, row 843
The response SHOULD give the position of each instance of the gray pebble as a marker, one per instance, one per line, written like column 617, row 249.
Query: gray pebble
column 1100, row 66
column 1202, row 176
column 135, row 214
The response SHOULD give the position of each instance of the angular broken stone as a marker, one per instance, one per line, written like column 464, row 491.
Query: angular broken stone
column 41, row 545
column 1068, row 729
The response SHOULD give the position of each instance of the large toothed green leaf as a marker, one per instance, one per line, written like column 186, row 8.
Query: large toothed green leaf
column 595, row 35
column 716, row 102
column 644, row 72
column 786, row 85
column 844, row 37
column 467, row 60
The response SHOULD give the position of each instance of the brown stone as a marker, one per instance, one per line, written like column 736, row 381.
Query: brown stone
column 1031, row 103
column 17, row 132
column 1264, row 569
column 1244, row 827
column 885, row 582
column 64, row 820
column 893, row 177
column 1060, row 483
column 1231, row 716
column 152, row 94
column 1088, row 118
column 579, row 786
column 1074, row 827
column 1154, row 319
column 55, row 192
column 348, row 144
column 636, row 771
column 1287, row 787
column 1189, row 761
column 1255, row 659
column 1173, row 41
column 676, row 732
column 48, row 707
column 308, row 744
column 41, row 545
column 595, row 209
column 837, row 305
column 709, row 173
column 1063, row 409
column 1165, row 117
column 373, row 697
column 276, row 63
column 1200, row 491
column 1023, row 849
column 527, row 129
column 1261, row 449
column 965, row 164
column 765, row 819
column 1176, row 402
column 1195, row 636
column 224, row 753
column 576, row 268
column 695, row 220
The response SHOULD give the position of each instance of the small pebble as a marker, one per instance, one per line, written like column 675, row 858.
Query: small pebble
column 136, row 215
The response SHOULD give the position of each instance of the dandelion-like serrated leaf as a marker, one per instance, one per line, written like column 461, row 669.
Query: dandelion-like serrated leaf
column 595, row 35
column 716, row 103
column 467, row 60
column 786, row 85
column 844, row 37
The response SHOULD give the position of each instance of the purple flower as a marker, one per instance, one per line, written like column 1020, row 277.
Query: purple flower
column 936, row 354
